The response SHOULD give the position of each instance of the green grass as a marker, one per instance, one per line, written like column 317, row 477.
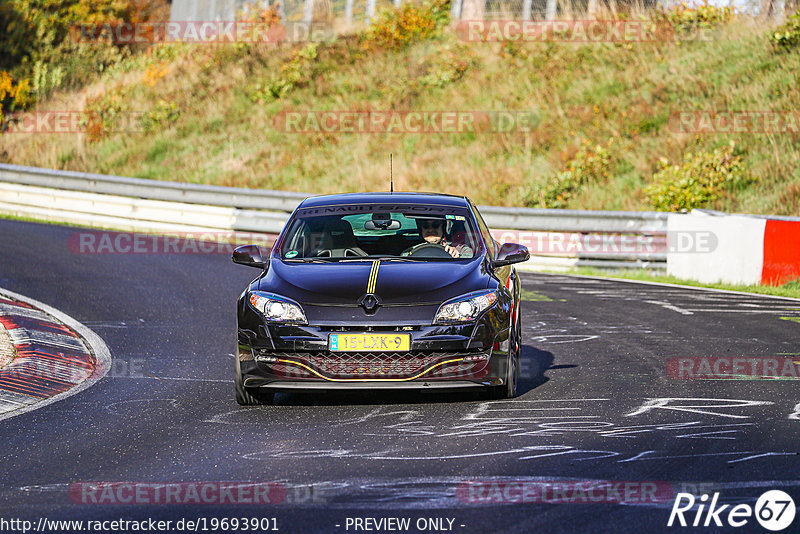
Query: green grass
column 789, row 289
column 614, row 95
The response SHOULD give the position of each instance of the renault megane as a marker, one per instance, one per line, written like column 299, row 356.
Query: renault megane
column 380, row 290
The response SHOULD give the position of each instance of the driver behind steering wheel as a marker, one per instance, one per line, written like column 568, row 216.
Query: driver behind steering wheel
column 433, row 232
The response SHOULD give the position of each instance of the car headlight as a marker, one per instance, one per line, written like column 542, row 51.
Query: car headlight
column 465, row 308
column 277, row 309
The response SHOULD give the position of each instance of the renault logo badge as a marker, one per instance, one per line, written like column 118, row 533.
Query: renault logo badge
column 370, row 303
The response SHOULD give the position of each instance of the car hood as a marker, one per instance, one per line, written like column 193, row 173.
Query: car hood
column 396, row 282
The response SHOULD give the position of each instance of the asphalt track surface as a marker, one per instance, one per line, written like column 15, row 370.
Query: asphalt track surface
column 166, row 412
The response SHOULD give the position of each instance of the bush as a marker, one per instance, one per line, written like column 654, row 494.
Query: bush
column 787, row 36
column 446, row 66
column 106, row 114
column 297, row 72
column 396, row 28
column 38, row 39
column 698, row 181
column 590, row 164
column 14, row 96
column 685, row 19
column 164, row 114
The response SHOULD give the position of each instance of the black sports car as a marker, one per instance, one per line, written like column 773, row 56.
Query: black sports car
column 380, row 290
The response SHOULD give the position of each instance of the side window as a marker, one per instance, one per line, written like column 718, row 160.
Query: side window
column 487, row 236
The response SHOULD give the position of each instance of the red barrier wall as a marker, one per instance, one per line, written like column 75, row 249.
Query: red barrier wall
column 781, row 252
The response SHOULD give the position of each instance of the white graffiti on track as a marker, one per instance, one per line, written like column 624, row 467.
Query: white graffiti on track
column 680, row 300
column 525, row 453
column 795, row 415
column 697, row 406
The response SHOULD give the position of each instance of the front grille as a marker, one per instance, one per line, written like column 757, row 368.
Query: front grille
column 372, row 328
column 371, row 365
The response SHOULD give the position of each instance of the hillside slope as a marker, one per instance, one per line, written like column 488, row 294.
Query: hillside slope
column 604, row 112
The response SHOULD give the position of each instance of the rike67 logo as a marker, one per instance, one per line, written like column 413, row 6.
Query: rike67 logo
column 774, row 510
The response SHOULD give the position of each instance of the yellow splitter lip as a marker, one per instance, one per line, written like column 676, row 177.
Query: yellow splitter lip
column 369, row 342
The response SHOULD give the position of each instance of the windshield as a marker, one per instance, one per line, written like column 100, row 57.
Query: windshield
column 411, row 232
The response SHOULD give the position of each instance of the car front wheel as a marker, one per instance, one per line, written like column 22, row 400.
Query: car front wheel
column 509, row 389
column 246, row 396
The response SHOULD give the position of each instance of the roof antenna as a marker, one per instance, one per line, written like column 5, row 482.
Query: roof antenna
column 391, row 177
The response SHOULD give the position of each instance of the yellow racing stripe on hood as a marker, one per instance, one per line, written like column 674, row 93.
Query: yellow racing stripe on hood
column 373, row 276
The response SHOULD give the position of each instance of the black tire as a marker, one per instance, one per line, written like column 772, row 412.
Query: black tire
column 509, row 389
column 247, row 396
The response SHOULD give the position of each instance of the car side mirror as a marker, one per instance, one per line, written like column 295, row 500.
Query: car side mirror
column 249, row 255
column 511, row 253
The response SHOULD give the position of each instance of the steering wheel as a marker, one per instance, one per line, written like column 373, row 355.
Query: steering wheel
column 428, row 250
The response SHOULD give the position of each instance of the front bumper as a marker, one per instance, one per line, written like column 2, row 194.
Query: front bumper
column 297, row 357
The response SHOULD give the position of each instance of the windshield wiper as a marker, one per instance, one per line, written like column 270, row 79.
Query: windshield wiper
column 378, row 258
column 311, row 260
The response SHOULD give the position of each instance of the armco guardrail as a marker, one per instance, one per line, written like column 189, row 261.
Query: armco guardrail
column 152, row 189
column 151, row 205
column 575, row 220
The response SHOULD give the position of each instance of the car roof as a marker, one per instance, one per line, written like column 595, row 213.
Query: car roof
column 384, row 198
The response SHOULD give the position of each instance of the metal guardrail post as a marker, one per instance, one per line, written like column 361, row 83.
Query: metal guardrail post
column 455, row 10
column 551, row 10
column 308, row 11
column 526, row 9
column 348, row 12
column 282, row 12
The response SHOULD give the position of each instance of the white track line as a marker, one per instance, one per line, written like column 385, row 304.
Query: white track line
column 98, row 347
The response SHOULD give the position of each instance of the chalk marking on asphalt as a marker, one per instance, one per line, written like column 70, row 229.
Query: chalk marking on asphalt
column 762, row 455
column 387, row 454
column 668, row 306
column 95, row 344
column 663, row 403
column 218, row 418
column 640, row 457
column 709, row 434
column 735, row 310
column 153, row 377
column 571, row 338
column 112, row 408
column 604, row 454
column 571, row 279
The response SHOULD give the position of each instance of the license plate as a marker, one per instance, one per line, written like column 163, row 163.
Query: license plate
column 369, row 342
